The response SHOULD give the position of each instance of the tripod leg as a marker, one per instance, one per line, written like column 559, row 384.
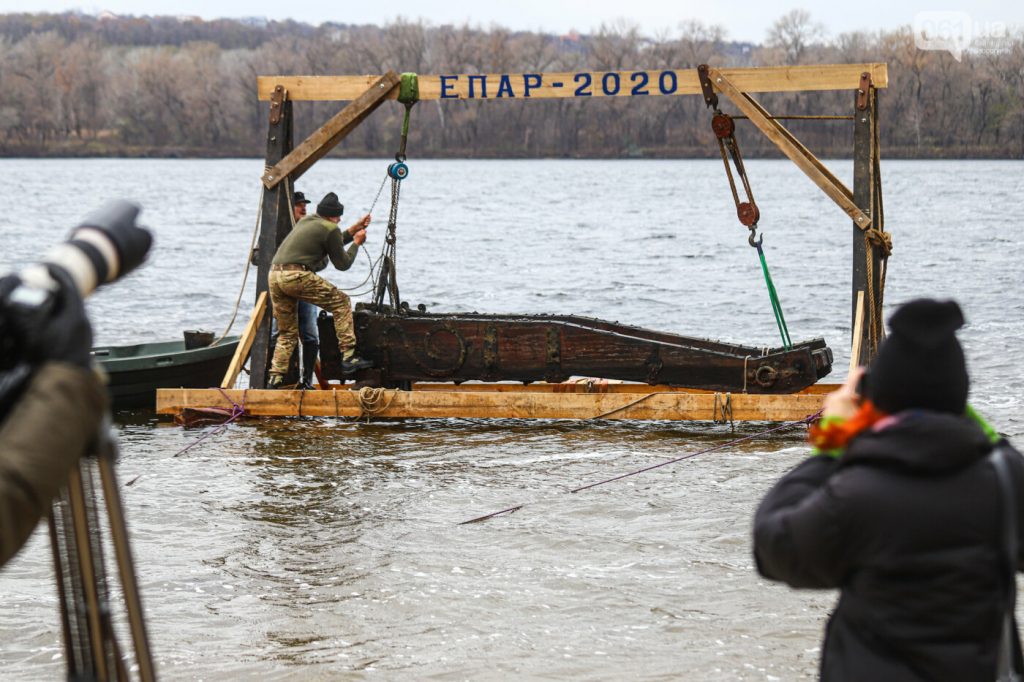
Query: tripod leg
column 87, row 569
column 62, row 595
column 125, row 564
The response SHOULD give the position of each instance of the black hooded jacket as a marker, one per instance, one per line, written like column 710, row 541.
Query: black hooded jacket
column 907, row 524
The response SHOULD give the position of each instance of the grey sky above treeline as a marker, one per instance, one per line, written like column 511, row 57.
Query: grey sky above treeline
column 743, row 20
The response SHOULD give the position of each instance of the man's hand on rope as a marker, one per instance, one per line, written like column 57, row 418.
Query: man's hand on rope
column 359, row 237
column 360, row 224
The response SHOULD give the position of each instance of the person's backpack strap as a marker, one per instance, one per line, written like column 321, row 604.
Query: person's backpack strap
column 1008, row 503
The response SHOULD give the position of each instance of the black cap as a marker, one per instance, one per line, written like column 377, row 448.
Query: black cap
column 921, row 364
column 300, row 198
column 329, row 206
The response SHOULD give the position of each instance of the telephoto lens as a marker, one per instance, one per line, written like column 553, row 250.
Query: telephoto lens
column 105, row 246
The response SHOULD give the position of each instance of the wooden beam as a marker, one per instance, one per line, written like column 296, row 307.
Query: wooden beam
column 674, row 406
column 516, row 86
column 796, row 152
column 245, row 343
column 323, row 140
column 858, row 332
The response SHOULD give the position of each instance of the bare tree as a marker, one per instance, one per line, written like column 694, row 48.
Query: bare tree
column 793, row 33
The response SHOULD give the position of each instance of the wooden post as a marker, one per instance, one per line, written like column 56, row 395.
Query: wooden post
column 275, row 222
column 866, row 190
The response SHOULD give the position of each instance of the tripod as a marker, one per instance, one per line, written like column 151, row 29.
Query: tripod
column 90, row 642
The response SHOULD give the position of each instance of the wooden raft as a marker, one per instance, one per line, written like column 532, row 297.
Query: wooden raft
column 578, row 401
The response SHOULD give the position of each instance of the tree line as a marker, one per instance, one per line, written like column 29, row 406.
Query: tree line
column 163, row 86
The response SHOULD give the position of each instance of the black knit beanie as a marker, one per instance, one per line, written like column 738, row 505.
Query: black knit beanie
column 329, row 206
column 921, row 364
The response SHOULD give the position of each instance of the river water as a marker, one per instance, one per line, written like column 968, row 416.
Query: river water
column 317, row 549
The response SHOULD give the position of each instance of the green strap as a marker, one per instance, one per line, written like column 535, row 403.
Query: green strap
column 409, row 89
column 405, row 122
column 780, row 320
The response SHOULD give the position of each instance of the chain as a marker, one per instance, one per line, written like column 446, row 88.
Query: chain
column 379, row 190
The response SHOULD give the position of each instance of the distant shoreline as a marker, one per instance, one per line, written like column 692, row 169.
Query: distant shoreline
column 683, row 154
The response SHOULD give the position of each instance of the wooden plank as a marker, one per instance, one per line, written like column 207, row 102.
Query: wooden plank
column 858, row 332
column 674, row 406
column 323, row 140
column 626, row 83
column 245, row 343
column 798, row 154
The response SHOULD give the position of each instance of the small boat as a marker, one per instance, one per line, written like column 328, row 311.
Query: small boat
column 135, row 372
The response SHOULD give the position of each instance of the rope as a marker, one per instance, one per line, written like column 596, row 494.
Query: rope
column 248, row 262
column 877, row 244
column 236, row 412
column 780, row 319
column 725, row 403
column 371, row 401
column 806, row 420
column 627, row 405
column 747, row 212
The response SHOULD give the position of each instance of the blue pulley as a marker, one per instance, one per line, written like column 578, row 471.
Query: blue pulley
column 398, row 171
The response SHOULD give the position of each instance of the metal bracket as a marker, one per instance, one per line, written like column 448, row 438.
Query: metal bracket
column 490, row 349
column 863, row 91
column 277, row 99
column 703, row 74
column 553, row 356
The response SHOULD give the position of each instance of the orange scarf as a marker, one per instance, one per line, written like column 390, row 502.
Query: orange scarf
column 829, row 435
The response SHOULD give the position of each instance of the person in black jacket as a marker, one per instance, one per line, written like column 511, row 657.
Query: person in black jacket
column 901, row 510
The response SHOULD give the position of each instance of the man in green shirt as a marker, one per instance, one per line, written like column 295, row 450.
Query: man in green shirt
column 314, row 241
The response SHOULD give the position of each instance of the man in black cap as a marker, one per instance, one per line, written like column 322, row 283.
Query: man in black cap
column 308, row 332
column 901, row 510
column 299, row 202
column 313, row 241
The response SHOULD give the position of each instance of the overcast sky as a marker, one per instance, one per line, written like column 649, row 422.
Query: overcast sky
column 743, row 19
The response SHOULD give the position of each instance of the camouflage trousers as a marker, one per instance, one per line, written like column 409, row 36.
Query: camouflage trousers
column 289, row 286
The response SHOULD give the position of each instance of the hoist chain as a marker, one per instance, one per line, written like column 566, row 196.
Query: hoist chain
column 387, row 279
column 725, row 128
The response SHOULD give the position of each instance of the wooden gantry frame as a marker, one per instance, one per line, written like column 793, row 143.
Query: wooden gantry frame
column 285, row 163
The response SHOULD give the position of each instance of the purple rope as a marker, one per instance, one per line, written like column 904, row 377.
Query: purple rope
column 806, row 420
column 236, row 412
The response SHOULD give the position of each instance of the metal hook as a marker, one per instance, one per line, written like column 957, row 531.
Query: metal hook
column 750, row 239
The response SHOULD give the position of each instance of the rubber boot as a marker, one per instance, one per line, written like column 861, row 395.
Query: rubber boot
column 310, row 349
column 353, row 364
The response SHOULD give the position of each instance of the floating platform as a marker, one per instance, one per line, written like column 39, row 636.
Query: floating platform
column 581, row 400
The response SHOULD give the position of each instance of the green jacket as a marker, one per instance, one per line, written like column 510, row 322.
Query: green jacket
column 50, row 427
column 312, row 241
